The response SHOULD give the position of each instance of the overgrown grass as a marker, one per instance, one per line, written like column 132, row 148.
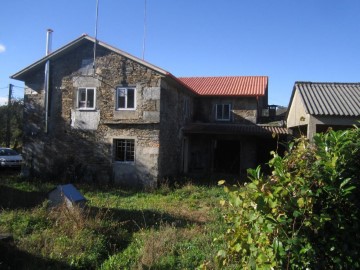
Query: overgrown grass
column 171, row 228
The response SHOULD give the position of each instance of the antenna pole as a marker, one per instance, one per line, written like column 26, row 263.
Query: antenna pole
column 96, row 28
column 143, row 53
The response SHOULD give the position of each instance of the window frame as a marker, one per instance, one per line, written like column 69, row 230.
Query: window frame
column 129, row 143
column 222, row 118
column 78, row 99
column 126, row 108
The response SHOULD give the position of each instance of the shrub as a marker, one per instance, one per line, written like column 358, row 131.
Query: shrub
column 305, row 214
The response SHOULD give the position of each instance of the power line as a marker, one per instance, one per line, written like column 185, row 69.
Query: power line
column 7, row 87
column 19, row 86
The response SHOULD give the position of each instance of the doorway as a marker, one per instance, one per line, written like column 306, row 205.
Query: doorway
column 227, row 156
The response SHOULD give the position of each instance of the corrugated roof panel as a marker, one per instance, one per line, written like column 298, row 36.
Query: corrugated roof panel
column 211, row 128
column 228, row 85
column 336, row 99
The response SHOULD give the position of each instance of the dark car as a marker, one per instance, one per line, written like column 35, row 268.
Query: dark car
column 9, row 158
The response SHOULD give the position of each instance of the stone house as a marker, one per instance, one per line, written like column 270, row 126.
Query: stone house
column 121, row 119
column 316, row 106
column 225, row 136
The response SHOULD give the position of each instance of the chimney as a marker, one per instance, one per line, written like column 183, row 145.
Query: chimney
column 48, row 41
column 47, row 78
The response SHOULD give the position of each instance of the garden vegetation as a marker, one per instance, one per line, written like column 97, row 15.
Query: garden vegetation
column 305, row 215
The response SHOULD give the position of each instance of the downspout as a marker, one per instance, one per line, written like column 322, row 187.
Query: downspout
column 47, row 77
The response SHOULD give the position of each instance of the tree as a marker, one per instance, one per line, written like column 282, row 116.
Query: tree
column 16, row 123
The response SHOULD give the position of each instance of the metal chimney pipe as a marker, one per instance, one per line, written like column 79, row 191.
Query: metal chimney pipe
column 47, row 77
column 48, row 41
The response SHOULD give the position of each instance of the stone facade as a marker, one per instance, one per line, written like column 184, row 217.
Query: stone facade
column 176, row 111
column 244, row 109
column 79, row 144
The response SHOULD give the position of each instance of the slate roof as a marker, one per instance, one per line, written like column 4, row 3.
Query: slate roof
column 329, row 99
column 216, row 128
column 228, row 85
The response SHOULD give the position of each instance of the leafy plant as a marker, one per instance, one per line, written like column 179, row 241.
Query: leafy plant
column 305, row 214
column 15, row 121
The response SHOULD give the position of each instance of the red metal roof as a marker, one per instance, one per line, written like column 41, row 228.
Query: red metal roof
column 228, row 86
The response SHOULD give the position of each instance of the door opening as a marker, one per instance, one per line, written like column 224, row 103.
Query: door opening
column 227, row 156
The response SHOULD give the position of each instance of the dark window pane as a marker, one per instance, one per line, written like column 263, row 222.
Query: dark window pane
column 121, row 98
column 124, row 150
column 226, row 114
column 82, row 98
column 90, row 98
column 121, row 102
column 219, row 112
column 130, row 98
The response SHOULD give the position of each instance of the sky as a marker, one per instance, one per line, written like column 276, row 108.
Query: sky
column 286, row 40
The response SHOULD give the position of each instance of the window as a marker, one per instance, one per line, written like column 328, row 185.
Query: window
column 223, row 112
column 124, row 150
column 125, row 98
column 86, row 98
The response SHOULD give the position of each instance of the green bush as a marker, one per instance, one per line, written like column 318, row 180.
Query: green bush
column 305, row 214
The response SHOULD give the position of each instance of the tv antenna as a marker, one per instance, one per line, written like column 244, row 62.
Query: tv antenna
column 96, row 30
column 144, row 40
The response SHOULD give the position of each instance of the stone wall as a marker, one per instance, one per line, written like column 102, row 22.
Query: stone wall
column 79, row 144
column 244, row 109
column 176, row 110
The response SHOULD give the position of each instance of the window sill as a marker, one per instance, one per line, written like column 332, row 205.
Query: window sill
column 222, row 120
column 86, row 109
column 124, row 162
column 125, row 109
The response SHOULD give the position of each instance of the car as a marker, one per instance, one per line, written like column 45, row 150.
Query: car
column 9, row 158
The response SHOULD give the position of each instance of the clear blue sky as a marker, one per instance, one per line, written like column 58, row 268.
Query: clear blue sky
column 287, row 40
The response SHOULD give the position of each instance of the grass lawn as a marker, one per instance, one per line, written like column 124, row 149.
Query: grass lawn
column 171, row 228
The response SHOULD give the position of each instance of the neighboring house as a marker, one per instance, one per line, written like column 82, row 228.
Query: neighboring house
column 315, row 107
column 124, row 120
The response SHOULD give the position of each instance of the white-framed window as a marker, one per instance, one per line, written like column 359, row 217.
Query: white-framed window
column 223, row 112
column 125, row 98
column 124, row 150
column 86, row 98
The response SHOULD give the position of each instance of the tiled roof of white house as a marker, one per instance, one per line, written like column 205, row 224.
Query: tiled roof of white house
column 332, row 99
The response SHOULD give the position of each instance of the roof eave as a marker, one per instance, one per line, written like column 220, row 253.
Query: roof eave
column 171, row 76
column 22, row 73
column 231, row 95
